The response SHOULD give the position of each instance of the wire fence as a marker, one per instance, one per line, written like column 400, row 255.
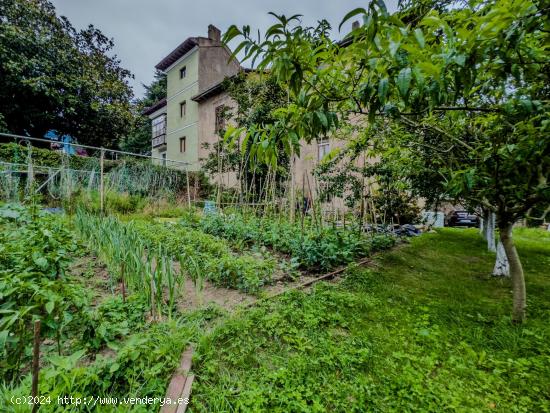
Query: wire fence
column 30, row 166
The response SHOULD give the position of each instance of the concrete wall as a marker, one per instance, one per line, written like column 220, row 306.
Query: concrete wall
column 214, row 64
column 309, row 159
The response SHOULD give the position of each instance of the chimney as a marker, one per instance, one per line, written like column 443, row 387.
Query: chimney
column 355, row 25
column 214, row 33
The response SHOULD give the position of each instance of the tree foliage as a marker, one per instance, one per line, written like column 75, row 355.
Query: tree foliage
column 257, row 98
column 467, row 81
column 138, row 139
column 53, row 76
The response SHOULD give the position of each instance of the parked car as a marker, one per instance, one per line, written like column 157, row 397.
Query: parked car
column 462, row 219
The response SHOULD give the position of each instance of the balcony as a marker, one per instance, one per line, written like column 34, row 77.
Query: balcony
column 159, row 140
column 159, row 131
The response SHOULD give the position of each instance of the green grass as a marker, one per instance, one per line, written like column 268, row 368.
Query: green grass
column 424, row 329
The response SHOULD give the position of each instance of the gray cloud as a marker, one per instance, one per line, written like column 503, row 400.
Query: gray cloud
column 145, row 31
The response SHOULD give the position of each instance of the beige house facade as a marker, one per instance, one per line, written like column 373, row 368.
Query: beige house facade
column 186, row 123
column 181, row 124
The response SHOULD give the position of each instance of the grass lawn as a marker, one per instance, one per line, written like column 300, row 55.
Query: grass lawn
column 424, row 329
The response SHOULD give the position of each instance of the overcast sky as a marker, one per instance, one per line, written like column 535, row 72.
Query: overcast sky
column 145, row 31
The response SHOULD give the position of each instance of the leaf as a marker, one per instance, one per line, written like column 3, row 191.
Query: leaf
column 232, row 32
column 3, row 338
column 41, row 262
column 394, row 46
column 351, row 14
column 383, row 90
column 322, row 118
column 403, row 81
column 9, row 213
column 114, row 367
column 460, row 60
column 420, row 38
column 382, row 6
column 50, row 306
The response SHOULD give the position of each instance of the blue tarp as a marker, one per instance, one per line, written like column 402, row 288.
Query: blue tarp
column 66, row 139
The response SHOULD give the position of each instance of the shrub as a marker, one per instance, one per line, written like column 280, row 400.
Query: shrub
column 35, row 251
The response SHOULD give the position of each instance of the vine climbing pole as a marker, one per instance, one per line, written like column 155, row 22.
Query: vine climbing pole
column 188, row 187
column 35, row 365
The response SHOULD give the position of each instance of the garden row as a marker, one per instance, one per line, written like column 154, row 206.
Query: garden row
column 36, row 249
column 140, row 254
column 209, row 256
column 311, row 248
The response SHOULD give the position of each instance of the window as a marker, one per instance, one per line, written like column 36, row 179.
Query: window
column 182, row 144
column 220, row 118
column 323, row 149
column 182, row 108
column 163, row 156
column 183, row 72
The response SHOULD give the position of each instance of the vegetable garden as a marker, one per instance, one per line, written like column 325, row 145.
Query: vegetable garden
column 113, row 265
column 108, row 289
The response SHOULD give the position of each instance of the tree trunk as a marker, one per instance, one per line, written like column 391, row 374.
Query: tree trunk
column 483, row 224
column 292, row 186
column 490, row 228
column 502, row 267
column 516, row 272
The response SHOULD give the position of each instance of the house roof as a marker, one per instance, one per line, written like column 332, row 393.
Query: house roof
column 178, row 52
column 152, row 109
column 211, row 91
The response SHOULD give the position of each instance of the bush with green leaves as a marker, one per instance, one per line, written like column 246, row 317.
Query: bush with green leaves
column 113, row 320
column 35, row 250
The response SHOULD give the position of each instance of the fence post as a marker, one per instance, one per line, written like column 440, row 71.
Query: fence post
column 101, row 183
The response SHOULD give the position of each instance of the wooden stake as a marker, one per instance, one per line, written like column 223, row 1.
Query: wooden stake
column 314, row 210
column 35, row 365
column 188, row 188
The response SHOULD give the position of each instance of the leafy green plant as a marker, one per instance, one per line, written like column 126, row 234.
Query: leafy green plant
column 311, row 248
column 35, row 250
column 417, row 331
column 112, row 320
column 142, row 367
column 132, row 261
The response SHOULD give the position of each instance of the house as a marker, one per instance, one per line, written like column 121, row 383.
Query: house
column 187, row 118
column 185, row 124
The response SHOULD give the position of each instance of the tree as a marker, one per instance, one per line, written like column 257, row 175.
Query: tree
column 138, row 139
column 370, row 175
column 470, row 81
column 55, row 77
column 257, row 97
